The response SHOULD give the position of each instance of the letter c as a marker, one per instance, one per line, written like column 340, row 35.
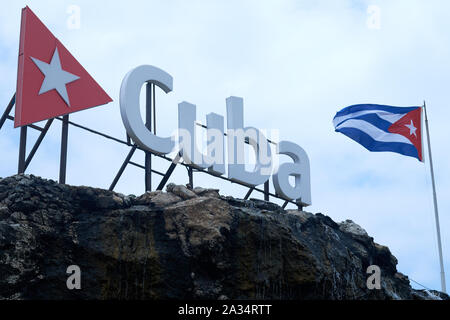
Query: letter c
column 129, row 107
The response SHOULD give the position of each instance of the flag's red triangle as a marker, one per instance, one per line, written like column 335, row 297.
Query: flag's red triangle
column 37, row 43
column 410, row 126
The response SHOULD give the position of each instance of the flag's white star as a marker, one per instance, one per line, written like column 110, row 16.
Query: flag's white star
column 412, row 129
column 55, row 77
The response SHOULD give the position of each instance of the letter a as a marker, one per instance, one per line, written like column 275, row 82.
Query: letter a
column 373, row 282
column 74, row 281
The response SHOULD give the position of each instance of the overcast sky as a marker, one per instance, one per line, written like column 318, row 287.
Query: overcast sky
column 295, row 63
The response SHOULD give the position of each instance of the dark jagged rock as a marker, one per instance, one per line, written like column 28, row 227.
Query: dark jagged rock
column 183, row 244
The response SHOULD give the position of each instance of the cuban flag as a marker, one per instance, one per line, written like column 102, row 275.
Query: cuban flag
column 383, row 128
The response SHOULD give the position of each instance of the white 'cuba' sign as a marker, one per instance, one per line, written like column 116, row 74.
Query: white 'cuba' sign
column 214, row 160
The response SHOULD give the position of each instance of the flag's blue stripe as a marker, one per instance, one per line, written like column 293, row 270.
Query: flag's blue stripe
column 361, row 107
column 372, row 145
column 374, row 119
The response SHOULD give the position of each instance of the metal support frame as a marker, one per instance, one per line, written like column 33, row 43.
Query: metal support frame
column 266, row 191
column 127, row 142
column 166, row 176
column 37, row 143
column 148, row 124
column 7, row 110
column 168, row 172
column 154, row 108
column 190, row 171
column 149, row 105
column 143, row 167
column 24, row 160
column 122, row 168
column 63, row 158
column 32, row 126
column 249, row 192
column 22, row 149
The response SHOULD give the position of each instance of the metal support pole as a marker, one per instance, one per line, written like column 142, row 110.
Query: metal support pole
column 37, row 143
column 191, row 177
column 154, row 109
column 266, row 191
column 169, row 172
column 436, row 213
column 284, row 204
column 63, row 158
column 148, row 124
column 31, row 126
column 22, row 149
column 249, row 192
column 122, row 168
column 166, row 176
column 7, row 110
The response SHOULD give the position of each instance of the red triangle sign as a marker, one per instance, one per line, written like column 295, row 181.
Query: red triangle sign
column 50, row 81
column 410, row 126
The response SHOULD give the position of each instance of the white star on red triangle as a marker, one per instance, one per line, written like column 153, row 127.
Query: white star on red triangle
column 55, row 77
column 412, row 128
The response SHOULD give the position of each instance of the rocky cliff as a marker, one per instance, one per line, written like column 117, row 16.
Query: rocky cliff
column 180, row 244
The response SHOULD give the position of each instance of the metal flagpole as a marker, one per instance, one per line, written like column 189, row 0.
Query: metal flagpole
column 436, row 213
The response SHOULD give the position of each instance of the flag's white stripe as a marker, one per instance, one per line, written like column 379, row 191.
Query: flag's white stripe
column 376, row 133
column 385, row 115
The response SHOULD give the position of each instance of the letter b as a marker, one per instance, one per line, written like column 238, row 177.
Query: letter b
column 236, row 136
